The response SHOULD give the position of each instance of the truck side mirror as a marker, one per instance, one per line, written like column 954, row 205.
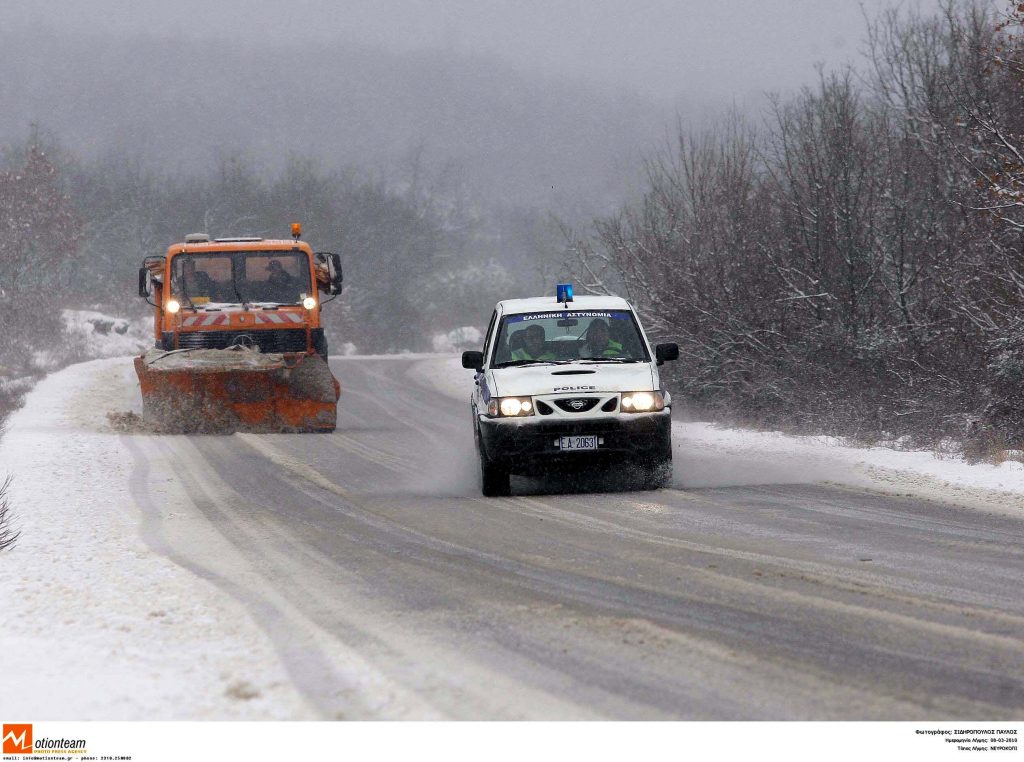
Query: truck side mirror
column 145, row 287
column 334, row 275
column 666, row 352
column 337, row 278
column 473, row 361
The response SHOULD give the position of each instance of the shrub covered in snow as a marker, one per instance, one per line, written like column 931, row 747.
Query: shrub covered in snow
column 8, row 535
column 457, row 340
column 852, row 264
column 39, row 237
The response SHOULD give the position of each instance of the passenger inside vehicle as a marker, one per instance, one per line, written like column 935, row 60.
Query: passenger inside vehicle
column 280, row 286
column 599, row 342
column 195, row 284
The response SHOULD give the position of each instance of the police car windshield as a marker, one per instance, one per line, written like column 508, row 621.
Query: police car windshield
column 568, row 336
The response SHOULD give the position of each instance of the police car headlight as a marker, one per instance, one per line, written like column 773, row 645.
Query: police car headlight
column 515, row 406
column 642, row 402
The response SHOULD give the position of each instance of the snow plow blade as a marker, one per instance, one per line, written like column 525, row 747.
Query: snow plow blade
column 226, row 390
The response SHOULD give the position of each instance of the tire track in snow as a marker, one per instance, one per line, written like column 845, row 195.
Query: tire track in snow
column 333, row 694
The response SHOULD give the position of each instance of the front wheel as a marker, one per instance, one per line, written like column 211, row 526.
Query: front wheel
column 658, row 473
column 495, row 481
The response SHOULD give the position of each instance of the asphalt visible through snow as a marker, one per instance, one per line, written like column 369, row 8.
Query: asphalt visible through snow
column 391, row 589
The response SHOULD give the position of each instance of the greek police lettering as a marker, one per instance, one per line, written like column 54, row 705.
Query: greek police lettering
column 558, row 315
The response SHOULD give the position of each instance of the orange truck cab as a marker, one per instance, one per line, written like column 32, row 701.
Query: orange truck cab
column 212, row 294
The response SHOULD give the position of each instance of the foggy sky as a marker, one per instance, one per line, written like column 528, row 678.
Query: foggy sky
column 708, row 50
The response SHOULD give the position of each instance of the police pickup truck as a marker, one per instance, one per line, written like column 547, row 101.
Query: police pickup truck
column 567, row 382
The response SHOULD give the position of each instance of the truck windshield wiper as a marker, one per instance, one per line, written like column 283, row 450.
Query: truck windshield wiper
column 184, row 293
column 234, row 284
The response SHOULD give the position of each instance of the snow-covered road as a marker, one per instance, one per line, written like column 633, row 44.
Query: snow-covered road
column 96, row 622
column 361, row 575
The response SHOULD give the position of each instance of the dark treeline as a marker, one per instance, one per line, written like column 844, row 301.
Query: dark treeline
column 420, row 258
column 432, row 173
column 40, row 235
column 850, row 263
column 406, row 252
column 854, row 263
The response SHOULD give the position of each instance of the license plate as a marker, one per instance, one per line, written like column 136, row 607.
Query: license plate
column 569, row 444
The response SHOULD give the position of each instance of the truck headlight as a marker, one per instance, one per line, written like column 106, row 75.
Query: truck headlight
column 642, row 402
column 309, row 303
column 510, row 407
column 173, row 305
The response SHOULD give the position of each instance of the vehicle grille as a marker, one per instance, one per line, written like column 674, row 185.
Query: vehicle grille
column 577, row 404
column 274, row 340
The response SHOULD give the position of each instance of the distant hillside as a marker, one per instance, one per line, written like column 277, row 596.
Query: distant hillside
column 181, row 103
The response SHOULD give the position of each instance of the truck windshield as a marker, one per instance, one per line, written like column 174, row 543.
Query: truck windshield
column 255, row 277
column 568, row 336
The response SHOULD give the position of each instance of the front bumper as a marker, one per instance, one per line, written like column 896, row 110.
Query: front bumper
column 529, row 442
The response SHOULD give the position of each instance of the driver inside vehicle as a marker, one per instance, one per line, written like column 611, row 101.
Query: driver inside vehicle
column 276, row 274
column 533, row 345
column 599, row 343
column 280, row 284
column 196, row 283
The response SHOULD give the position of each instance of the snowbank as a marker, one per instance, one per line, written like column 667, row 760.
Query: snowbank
column 96, row 624
column 96, row 334
column 87, row 335
column 707, row 455
column 467, row 337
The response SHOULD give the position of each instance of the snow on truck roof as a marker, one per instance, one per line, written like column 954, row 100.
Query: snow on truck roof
column 550, row 303
column 237, row 244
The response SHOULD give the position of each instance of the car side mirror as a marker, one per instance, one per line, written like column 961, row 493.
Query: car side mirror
column 473, row 361
column 666, row 352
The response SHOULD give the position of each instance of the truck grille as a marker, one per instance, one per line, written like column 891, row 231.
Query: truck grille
column 275, row 340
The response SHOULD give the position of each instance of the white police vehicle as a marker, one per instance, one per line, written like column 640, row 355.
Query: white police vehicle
column 564, row 382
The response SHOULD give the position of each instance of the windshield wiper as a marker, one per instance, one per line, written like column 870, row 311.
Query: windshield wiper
column 234, row 284
column 515, row 363
column 619, row 360
column 184, row 292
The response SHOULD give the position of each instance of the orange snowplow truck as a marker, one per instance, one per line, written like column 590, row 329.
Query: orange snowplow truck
column 238, row 340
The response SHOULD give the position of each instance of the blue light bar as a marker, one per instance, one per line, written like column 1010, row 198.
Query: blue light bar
column 564, row 292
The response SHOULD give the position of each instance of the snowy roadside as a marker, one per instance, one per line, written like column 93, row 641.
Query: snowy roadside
column 88, row 335
column 707, row 455
column 96, row 625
